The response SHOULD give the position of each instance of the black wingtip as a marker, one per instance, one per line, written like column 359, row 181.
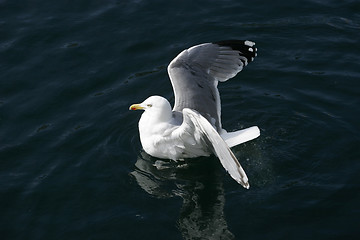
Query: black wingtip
column 246, row 48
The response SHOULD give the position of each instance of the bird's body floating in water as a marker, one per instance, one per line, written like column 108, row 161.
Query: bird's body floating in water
column 193, row 127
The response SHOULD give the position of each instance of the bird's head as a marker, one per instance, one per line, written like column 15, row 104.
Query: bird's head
column 154, row 105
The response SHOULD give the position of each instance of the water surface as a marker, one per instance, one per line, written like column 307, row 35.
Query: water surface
column 71, row 163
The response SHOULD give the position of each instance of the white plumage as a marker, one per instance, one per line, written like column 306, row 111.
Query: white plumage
column 193, row 127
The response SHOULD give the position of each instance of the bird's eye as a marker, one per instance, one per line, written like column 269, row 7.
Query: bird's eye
column 149, row 105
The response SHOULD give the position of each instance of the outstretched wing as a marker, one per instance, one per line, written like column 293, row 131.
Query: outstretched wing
column 195, row 73
column 194, row 121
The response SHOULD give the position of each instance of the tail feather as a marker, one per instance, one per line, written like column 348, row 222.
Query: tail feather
column 235, row 138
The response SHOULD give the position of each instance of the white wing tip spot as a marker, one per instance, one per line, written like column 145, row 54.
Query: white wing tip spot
column 249, row 43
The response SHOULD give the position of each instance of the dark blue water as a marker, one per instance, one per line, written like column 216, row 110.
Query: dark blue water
column 71, row 164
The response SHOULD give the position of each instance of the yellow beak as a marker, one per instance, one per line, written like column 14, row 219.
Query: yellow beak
column 136, row 107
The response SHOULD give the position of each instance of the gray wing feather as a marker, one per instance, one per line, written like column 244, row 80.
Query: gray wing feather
column 194, row 120
column 195, row 73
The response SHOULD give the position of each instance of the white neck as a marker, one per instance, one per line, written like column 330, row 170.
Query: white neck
column 152, row 121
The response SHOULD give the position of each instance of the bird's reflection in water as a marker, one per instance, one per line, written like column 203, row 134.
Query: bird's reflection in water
column 198, row 182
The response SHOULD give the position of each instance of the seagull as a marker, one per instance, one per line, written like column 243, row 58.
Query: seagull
column 192, row 128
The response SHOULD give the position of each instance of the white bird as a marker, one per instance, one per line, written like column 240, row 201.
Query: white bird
column 193, row 127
